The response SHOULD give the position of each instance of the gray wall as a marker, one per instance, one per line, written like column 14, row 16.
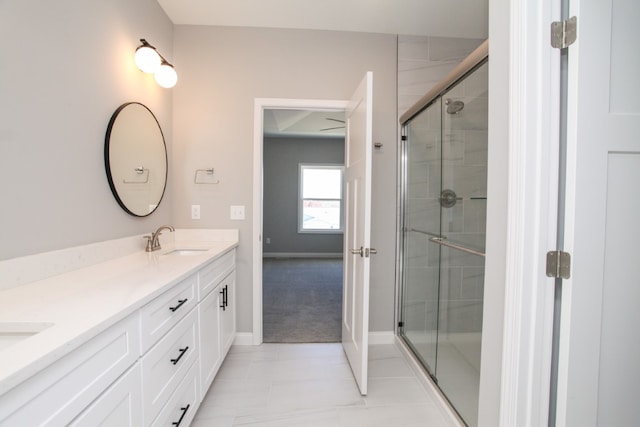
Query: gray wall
column 65, row 67
column 281, row 157
column 225, row 69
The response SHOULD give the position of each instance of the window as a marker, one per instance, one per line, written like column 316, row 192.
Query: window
column 320, row 200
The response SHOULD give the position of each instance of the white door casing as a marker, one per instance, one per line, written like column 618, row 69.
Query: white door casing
column 598, row 368
column 358, row 148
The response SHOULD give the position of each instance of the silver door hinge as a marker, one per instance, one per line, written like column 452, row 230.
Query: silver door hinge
column 558, row 264
column 564, row 33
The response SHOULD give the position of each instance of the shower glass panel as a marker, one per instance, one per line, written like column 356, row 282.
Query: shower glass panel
column 444, row 221
column 422, row 221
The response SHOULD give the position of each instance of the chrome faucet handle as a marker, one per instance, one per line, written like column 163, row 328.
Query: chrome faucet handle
column 154, row 239
column 149, row 247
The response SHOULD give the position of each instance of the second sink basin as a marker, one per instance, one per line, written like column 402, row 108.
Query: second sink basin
column 12, row 333
column 191, row 251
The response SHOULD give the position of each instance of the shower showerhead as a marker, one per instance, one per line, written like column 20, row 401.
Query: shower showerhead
column 453, row 107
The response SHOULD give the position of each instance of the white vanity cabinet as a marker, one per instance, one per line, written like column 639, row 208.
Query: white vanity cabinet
column 216, row 315
column 150, row 369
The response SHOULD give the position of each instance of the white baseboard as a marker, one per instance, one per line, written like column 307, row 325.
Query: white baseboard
column 243, row 338
column 375, row 337
column 302, row 255
column 381, row 337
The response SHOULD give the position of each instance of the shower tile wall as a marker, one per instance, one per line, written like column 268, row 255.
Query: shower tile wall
column 424, row 61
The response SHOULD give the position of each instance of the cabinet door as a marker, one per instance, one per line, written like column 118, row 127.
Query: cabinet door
column 119, row 406
column 229, row 312
column 209, row 316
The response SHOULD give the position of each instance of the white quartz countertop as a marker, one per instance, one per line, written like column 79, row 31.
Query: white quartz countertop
column 80, row 304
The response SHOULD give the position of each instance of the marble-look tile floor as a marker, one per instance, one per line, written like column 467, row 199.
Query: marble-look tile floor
column 312, row 385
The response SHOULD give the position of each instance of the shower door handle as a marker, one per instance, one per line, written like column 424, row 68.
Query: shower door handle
column 358, row 251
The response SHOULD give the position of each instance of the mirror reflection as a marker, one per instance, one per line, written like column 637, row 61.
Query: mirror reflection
column 136, row 159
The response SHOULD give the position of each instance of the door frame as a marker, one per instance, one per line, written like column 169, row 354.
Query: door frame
column 524, row 119
column 261, row 104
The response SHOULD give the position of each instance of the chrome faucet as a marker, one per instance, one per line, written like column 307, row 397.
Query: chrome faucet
column 153, row 243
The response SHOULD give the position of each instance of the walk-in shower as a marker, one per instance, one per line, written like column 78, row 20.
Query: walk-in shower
column 442, row 227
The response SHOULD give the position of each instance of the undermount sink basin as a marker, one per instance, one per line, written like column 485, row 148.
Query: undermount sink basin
column 12, row 333
column 192, row 251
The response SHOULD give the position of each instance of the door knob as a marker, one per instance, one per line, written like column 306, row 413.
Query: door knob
column 364, row 252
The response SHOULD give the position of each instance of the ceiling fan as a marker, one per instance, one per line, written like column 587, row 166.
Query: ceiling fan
column 335, row 127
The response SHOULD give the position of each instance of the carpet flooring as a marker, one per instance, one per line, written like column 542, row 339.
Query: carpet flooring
column 302, row 300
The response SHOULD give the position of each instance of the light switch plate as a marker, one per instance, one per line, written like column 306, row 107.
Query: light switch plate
column 237, row 212
column 195, row 211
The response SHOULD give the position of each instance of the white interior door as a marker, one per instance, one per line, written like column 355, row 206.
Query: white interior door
column 358, row 147
column 598, row 369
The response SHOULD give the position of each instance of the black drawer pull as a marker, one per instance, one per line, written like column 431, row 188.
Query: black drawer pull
column 184, row 412
column 180, row 302
column 225, row 295
column 182, row 352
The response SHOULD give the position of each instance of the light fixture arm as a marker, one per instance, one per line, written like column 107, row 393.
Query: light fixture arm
column 149, row 60
column 145, row 43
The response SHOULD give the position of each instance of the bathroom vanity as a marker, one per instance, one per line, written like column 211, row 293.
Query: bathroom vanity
column 132, row 340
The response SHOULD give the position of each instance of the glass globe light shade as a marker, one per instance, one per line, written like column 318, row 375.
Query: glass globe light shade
column 166, row 76
column 147, row 59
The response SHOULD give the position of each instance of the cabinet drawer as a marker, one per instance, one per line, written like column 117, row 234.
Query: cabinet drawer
column 165, row 365
column 183, row 404
column 211, row 274
column 120, row 405
column 56, row 395
column 161, row 314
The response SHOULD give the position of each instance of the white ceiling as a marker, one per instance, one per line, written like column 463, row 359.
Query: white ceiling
column 303, row 123
column 442, row 18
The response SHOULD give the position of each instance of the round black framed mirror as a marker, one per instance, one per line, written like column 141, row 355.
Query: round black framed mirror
column 135, row 157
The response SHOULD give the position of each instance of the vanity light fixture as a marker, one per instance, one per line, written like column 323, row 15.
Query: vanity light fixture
column 149, row 60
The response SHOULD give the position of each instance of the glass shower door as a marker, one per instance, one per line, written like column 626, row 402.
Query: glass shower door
column 444, row 223
column 421, row 259
column 463, row 225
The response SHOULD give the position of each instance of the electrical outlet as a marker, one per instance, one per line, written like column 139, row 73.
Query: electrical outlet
column 195, row 211
column 267, row 240
column 237, row 212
